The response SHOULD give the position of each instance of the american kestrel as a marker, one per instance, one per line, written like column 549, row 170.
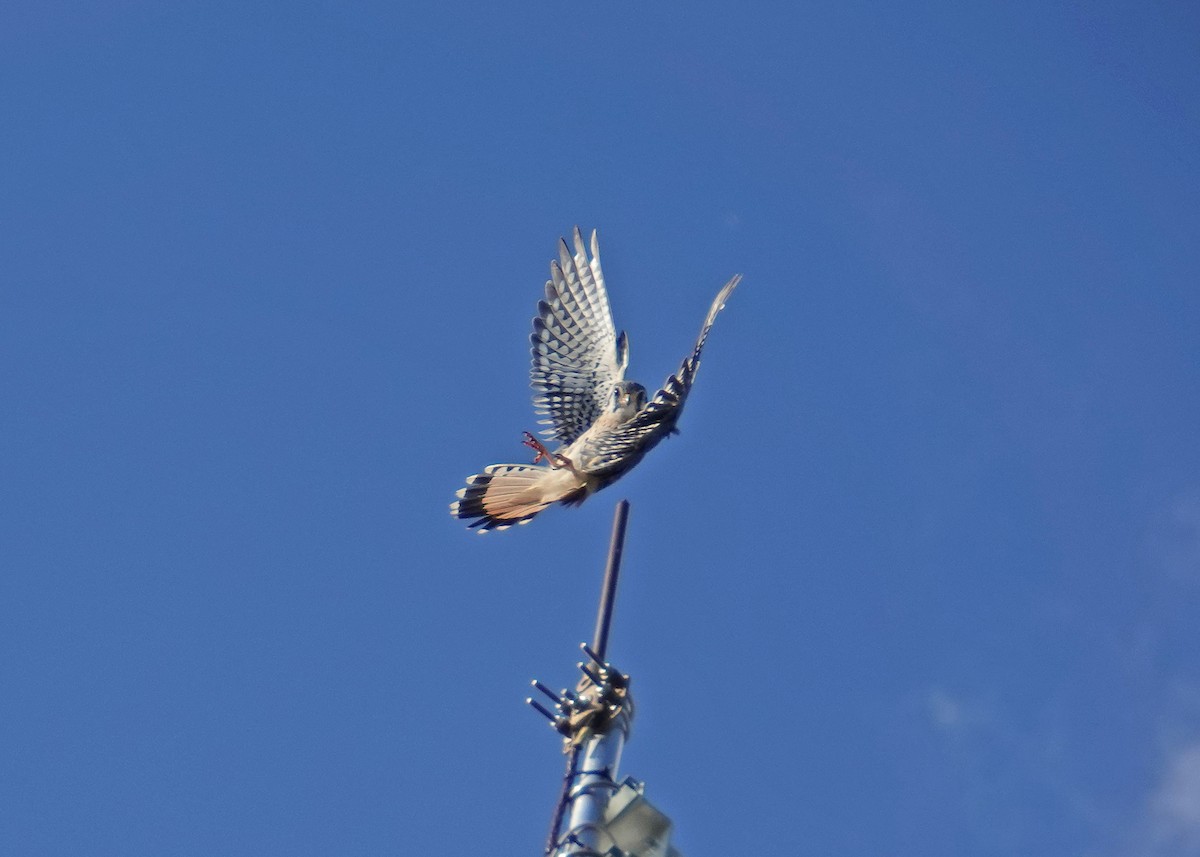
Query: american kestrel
column 603, row 423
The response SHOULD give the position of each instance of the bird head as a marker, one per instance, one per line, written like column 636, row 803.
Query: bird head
column 628, row 397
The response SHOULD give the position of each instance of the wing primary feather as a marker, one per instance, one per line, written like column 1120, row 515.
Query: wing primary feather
column 575, row 351
column 657, row 419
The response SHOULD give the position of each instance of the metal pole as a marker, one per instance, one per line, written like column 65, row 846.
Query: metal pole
column 594, row 781
column 594, row 769
column 608, row 594
column 592, row 765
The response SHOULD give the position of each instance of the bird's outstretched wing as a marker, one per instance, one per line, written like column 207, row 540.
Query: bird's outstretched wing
column 627, row 444
column 577, row 355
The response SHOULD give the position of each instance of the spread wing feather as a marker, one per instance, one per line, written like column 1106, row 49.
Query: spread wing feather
column 577, row 356
column 626, row 445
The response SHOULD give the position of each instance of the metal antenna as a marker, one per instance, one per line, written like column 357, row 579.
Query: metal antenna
column 608, row 594
column 597, row 652
column 604, row 817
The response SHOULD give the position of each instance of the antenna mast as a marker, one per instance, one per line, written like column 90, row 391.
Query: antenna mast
column 604, row 817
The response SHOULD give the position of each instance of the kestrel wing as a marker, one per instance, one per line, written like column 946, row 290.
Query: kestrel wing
column 628, row 443
column 577, row 355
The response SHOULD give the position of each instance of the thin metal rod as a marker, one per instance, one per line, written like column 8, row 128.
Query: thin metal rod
column 560, row 809
column 543, row 710
column 590, row 673
column 612, row 570
column 599, row 650
column 595, row 658
column 554, row 697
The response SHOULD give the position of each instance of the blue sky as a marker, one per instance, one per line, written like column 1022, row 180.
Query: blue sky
column 920, row 575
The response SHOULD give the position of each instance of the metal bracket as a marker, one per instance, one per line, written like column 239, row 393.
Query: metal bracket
column 600, row 699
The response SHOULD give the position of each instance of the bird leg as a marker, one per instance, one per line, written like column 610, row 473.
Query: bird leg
column 537, row 446
column 554, row 460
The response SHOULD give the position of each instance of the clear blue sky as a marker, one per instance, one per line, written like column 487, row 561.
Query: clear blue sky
column 921, row 575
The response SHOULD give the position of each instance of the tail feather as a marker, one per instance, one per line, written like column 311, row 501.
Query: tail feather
column 504, row 495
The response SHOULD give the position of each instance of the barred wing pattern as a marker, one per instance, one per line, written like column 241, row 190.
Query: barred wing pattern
column 625, row 446
column 577, row 356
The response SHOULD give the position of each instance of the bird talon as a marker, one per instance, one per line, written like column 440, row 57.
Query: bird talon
column 539, row 447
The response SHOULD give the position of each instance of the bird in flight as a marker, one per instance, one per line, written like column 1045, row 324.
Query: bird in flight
column 603, row 423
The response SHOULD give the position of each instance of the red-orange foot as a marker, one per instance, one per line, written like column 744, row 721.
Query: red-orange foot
column 538, row 447
column 555, row 461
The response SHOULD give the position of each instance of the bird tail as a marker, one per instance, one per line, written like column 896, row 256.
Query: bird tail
column 507, row 494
